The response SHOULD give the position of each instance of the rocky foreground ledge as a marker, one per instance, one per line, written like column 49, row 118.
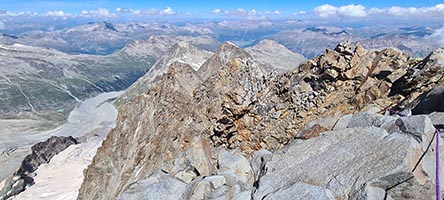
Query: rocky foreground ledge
column 231, row 130
column 361, row 156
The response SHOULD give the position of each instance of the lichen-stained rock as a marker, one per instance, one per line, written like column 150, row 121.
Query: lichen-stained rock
column 227, row 98
column 348, row 160
column 361, row 76
column 247, row 108
column 312, row 132
column 154, row 128
column 350, row 79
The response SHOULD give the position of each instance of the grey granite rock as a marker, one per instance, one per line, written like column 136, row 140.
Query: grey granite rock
column 302, row 191
column 237, row 165
column 344, row 161
column 160, row 186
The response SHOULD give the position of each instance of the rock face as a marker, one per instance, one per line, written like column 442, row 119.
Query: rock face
column 180, row 52
column 344, row 162
column 224, row 54
column 211, row 130
column 41, row 153
column 430, row 101
column 274, row 56
column 424, row 77
column 339, row 164
column 149, row 146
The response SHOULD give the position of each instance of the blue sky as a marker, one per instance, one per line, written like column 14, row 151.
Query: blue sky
column 250, row 9
column 285, row 6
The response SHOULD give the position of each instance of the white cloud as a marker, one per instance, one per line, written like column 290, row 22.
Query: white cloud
column 16, row 14
column 352, row 10
column 2, row 25
column 376, row 11
column 129, row 11
column 167, row 11
column 56, row 13
column 98, row 13
column 136, row 12
column 399, row 11
column 216, row 11
column 432, row 11
column 300, row 13
column 124, row 10
column 151, row 12
column 248, row 14
column 101, row 12
column 358, row 11
column 326, row 10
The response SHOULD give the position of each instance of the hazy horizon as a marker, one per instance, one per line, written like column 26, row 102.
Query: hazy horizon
column 341, row 12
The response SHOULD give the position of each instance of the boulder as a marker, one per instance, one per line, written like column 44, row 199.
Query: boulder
column 159, row 186
column 200, row 190
column 216, row 181
column 302, row 191
column 236, row 165
column 431, row 101
column 361, row 160
column 438, row 121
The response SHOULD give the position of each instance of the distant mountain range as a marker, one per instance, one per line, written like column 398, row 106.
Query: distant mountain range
column 307, row 39
column 311, row 41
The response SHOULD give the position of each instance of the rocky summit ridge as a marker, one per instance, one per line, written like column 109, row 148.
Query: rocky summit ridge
column 180, row 52
column 231, row 130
